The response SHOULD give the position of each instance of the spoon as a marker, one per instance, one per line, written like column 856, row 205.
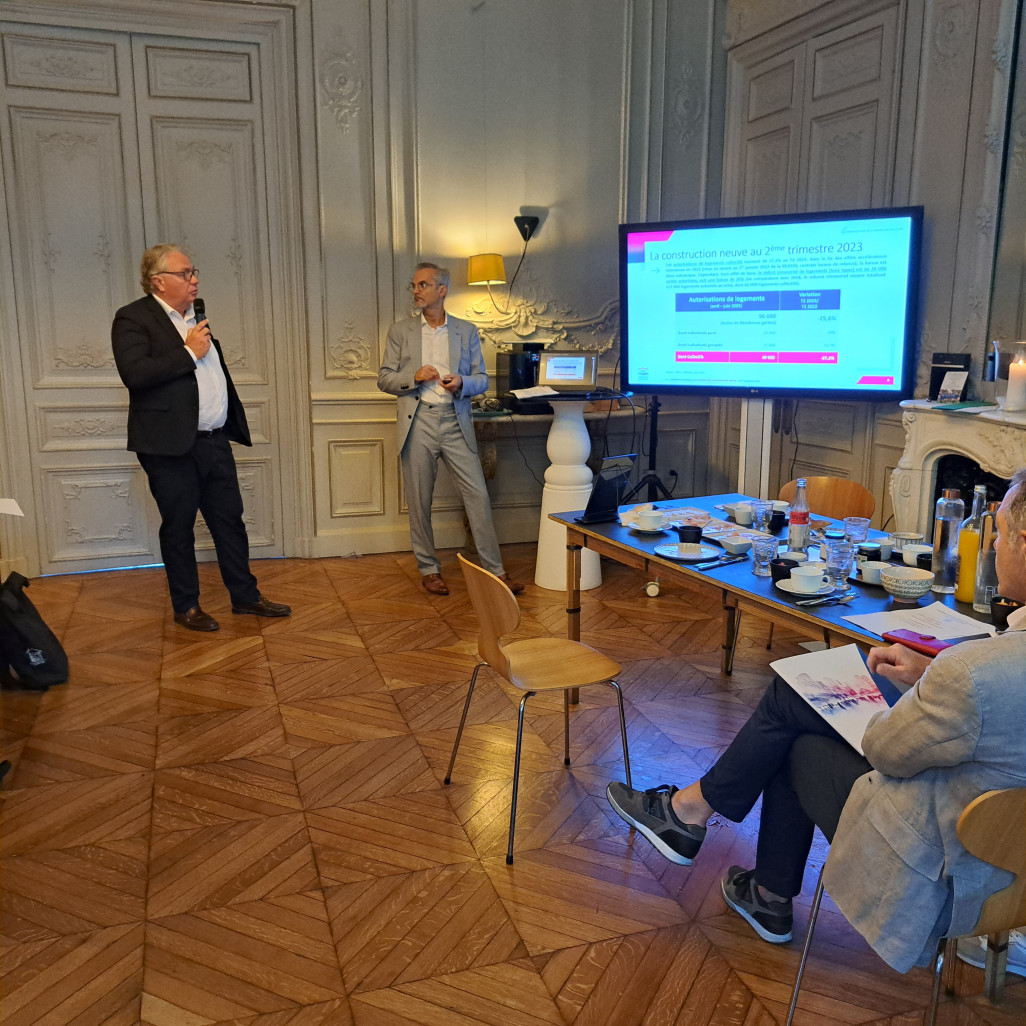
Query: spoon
column 829, row 600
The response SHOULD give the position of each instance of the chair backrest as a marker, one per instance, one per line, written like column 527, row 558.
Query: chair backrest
column 835, row 497
column 993, row 828
column 497, row 613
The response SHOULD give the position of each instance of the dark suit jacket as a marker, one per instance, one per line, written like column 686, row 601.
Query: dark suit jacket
column 160, row 373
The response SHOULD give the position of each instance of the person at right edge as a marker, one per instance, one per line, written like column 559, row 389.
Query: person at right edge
column 896, row 868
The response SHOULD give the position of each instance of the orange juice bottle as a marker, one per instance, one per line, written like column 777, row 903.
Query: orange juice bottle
column 969, row 547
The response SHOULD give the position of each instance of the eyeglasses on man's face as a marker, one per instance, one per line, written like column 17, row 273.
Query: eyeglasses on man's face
column 187, row 275
column 419, row 286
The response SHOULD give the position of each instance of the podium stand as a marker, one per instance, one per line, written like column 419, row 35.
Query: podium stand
column 567, row 487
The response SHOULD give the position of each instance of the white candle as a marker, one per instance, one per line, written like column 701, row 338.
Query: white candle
column 1015, row 400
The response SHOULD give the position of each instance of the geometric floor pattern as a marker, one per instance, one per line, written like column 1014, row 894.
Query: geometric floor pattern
column 250, row 827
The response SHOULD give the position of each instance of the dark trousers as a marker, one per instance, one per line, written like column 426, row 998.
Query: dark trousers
column 203, row 480
column 804, row 771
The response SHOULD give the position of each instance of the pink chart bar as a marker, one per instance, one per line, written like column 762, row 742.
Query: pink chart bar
column 685, row 356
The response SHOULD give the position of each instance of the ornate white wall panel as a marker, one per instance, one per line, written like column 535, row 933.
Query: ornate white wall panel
column 74, row 227
column 767, row 182
column 854, row 61
column 196, row 74
column 357, row 470
column 256, row 482
column 842, row 159
column 96, row 513
column 209, row 201
column 773, row 91
column 41, row 63
column 67, row 428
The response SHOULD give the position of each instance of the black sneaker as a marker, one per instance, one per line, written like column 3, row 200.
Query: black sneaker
column 771, row 920
column 650, row 812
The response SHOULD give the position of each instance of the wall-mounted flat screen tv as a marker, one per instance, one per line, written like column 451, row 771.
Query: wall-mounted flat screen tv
column 817, row 305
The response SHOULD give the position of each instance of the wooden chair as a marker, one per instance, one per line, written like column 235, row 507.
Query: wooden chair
column 834, row 497
column 532, row 665
column 993, row 828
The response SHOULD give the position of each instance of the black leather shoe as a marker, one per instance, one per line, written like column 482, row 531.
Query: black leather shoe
column 262, row 607
column 196, row 620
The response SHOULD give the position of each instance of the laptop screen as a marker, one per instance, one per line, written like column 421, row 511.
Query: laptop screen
column 573, row 371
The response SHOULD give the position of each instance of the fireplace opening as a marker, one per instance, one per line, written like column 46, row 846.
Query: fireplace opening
column 957, row 471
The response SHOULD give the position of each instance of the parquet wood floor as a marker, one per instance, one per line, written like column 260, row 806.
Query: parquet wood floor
column 250, row 827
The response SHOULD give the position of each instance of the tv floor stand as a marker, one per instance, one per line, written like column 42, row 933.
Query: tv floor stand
column 650, row 479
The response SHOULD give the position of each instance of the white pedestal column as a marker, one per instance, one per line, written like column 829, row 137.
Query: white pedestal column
column 567, row 487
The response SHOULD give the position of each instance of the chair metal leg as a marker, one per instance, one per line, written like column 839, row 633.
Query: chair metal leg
column 623, row 733
column 994, row 966
column 813, row 915
column 938, row 968
column 566, row 727
column 732, row 631
column 769, row 640
column 516, row 776
column 463, row 720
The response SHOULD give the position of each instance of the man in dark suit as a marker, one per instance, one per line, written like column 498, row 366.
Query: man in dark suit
column 183, row 414
column 433, row 364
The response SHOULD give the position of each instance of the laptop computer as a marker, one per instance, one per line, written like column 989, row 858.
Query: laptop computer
column 572, row 374
column 607, row 489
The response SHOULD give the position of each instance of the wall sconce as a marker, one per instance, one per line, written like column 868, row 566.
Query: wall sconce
column 488, row 268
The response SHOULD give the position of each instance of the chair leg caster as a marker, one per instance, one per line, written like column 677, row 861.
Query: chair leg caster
column 509, row 860
column 652, row 589
column 566, row 762
column 446, row 781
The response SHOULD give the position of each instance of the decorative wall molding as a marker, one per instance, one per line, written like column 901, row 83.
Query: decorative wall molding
column 341, row 83
column 175, row 73
column 41, row 63
column 687, row 103
column 532, row 315
column 349, row 355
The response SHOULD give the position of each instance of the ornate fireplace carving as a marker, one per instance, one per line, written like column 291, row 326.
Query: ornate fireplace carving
column 996, row 441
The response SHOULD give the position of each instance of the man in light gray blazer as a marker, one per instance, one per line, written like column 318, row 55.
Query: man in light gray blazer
column 433, row 364
column 896, row 867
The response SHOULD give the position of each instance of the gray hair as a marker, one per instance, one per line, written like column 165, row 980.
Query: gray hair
column 1015, row 515
column 154, row 260
column 442, row 275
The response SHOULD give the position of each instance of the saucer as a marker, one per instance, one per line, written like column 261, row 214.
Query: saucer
column 701, row 552
column 646, row 530
column 786, row 585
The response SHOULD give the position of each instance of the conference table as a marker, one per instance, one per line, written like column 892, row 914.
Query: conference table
column 740, row 590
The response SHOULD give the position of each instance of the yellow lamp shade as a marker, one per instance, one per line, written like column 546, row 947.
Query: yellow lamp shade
column 486, row 269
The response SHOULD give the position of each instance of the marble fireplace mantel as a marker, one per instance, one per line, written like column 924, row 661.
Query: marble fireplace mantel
column 996, row 441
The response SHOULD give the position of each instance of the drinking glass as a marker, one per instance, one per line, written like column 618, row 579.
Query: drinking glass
column 764, row 548
column 762, row 510
column 856, row 529
column 839, row 557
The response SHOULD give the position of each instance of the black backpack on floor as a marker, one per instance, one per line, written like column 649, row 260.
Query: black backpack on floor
column 28, row 648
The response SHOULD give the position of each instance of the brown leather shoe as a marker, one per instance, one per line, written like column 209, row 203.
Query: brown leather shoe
column 514, row 586
column 196, row 620
column 434, row 584
column 262, row 607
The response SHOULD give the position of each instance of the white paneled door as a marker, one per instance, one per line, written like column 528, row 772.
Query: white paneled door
column 113, row 141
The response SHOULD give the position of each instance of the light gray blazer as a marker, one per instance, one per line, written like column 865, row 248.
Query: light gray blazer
column 896, row 867
column 404, row 357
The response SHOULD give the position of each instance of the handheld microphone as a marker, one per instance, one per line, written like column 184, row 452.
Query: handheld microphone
column 199, row 308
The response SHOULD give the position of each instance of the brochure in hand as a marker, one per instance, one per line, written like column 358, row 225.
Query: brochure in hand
column 838, row 685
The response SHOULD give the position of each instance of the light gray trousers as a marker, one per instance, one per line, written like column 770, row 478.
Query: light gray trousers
column 435, row 434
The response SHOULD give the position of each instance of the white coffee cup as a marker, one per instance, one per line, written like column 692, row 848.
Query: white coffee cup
column 781, row 506
column 650, row 519
column 743, row 514
column 870, row 570
column 886, row 547
column 795, row 557
column 808, row 579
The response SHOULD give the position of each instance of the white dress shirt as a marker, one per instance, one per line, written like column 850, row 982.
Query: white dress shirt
column 213, row 388
column 435, row 350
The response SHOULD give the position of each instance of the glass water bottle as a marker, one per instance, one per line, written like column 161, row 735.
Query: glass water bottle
column 950, row 511
column 969, row 547
column 986, row 568
column 798, row 519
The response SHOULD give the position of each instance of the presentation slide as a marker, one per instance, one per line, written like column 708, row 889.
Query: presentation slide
column 818, row 303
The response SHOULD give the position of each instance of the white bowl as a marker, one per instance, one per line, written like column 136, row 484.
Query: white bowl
column 906, row 583
column 735, row 544
column 909, row 553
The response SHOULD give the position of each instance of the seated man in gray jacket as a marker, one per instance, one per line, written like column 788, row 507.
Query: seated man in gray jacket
column 896, row 867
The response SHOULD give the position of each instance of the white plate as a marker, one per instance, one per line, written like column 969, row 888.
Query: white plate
column 788, row 586
column 704, row 552
column 646, row 530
